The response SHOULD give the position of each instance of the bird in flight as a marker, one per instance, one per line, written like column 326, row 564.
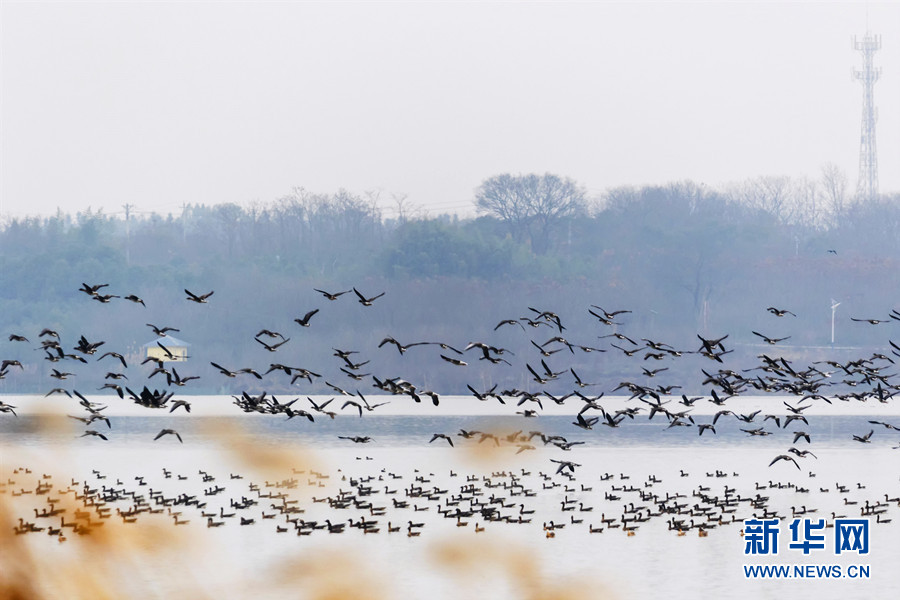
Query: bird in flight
column 91, row 290
column 454, row 361
column 704, row 426
column 439, row 436
column 269, row 333
column 180, row 403
column 228, row 373
column 400, row 347
column 888, row 425
column 565, row 464
column 174, row 378
column 167, row 432
column 104, row 298
column 304, row 321
column 798, row 435
column 198, row 299
column 865, row 439
column 869, row 321
column 12, row 363
column 509, row 322
column 272, row 347
column 331, row 296
column 769, row 340
column 785, row 457
column 135, row 299
column 367, row 301
column 161, row 331
column 803, row 453
column 114, row 355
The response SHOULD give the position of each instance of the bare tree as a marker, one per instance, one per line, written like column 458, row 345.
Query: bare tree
column 617, row 199
column 834, row 182
column 808, row 196
column 229, row 216
column 530, row 205
column 406, row 210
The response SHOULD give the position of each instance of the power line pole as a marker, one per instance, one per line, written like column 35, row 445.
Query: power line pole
column 867, row 184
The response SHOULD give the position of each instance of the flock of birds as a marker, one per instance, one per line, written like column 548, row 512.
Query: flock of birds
column 380, row 500
column 866, row 378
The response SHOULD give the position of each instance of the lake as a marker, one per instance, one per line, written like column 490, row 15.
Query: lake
column 484, row 507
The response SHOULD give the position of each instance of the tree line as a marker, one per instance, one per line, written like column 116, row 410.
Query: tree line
column 685, row 259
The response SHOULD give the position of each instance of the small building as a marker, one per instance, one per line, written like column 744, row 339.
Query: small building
column 166, row 348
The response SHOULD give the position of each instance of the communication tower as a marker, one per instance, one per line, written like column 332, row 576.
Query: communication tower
column 867, row 185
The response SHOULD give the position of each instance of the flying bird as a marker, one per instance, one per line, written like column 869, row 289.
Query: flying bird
column 356, row 439
column 865, row 439
column 454, row 361
column 565, row 464
column 181, row 403
column 161, row 331
column 509, row 322
column 223, row 370
column 869, row 321
column 802, row 453
column 167, row 432
column 367, row 301
column 269, row 333
column 91, row 290
column 168, row 352
column 769, row 340
column 174, row 378
column 304, row 321
column 135, row 299
column 887, row 425
column 353, row 403
column 704, row 426
column 114, row 355
column 331, row 296
column 438, row 436
column 109, row 386
column 785, row 457
column 400, row 347
column 198, row 299
column 104, row 298
column 272, row 347
column 801, row 435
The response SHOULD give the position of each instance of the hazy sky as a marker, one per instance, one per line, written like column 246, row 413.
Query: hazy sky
column 162, row 103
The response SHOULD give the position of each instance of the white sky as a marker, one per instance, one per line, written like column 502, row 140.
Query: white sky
column 162, row 103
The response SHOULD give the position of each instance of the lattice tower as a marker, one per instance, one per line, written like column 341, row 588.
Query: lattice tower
column 867, row 184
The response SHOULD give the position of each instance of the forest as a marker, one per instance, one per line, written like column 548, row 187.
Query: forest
column 684, row 260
